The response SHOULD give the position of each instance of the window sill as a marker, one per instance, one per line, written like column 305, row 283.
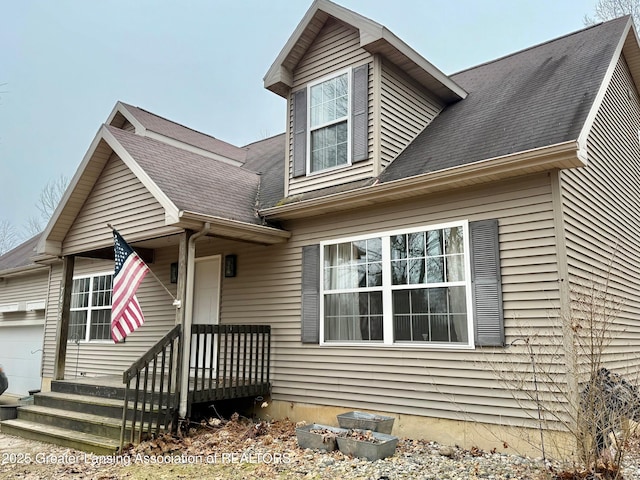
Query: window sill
column 399, row 346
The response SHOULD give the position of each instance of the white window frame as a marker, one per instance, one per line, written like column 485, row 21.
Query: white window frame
column 311, row 129
column 388, row 288
column 90, row 307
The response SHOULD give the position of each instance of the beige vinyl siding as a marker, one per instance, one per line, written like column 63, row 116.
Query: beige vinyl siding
column 456, row 384
column 405, row 110
column 336, row 48
column 24, row 288
column 51, row 320
column 602, row 213
column 118, row 198
column 105, row 357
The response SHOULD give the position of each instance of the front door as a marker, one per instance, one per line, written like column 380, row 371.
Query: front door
column 206, row 306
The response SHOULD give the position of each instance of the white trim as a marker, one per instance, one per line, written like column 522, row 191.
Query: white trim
column 34, row 305
column 387, row 288
column 10, row 307
column 21, row 323
column 597, row 102
column 171, row 211
column 90, row 307
column 347, row 118
column 562, row 155
column 373, row 37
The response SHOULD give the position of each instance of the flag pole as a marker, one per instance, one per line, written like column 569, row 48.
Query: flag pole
column 176, row 303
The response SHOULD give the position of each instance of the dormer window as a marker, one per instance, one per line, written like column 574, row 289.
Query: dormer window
column 329, row 123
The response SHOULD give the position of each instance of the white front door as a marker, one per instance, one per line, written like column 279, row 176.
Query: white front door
column 206, row 306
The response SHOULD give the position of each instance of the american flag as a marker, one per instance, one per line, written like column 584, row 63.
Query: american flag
column 126, row 314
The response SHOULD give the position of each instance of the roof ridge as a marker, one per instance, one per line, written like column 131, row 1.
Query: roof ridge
column 181, row 125
column 263, row 139
column 538, row 45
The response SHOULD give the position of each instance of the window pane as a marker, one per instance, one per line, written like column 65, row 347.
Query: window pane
column 329, row 147
column 438, row 300
column 459, row 329
column 349, row 265
column 374, row 249
column 416, row 244
column 341, row 154
column 439, row 328
column 419, row 300
column 401, row 302
column 374, row 274
column 417, row 273
column 434, row 243
column 80, row 293
column 455, row 268
column 457, row 300
column 102, row 291
column 435, row 270
column 370, row 315
column 342, row 85
column 316, row 95
column 399, row 272
column 100, row 325
column 453, row 240
column 398, row 247
column 77, row 326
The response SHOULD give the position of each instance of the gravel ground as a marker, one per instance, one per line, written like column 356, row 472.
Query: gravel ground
column 239, row 450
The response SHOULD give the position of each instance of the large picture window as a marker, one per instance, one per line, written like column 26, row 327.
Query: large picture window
column 90, row 317
column 329, row 123
column 410, row 287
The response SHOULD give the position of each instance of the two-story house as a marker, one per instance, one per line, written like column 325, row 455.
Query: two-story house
column 400, row 238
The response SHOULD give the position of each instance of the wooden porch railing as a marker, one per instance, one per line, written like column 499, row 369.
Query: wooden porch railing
column 229, row 361
column 156, row 392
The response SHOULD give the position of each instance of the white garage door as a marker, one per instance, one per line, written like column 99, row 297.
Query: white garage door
column 21, row 357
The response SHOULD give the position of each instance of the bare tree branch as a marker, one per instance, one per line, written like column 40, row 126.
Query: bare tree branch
column 50, row 196
column 8, row 237
column 610, row 9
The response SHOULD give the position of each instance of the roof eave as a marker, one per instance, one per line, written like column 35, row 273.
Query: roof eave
column 23, row 270
column 233, row 229
column 560, row 156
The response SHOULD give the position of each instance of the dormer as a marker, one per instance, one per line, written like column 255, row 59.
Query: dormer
column 356, row 97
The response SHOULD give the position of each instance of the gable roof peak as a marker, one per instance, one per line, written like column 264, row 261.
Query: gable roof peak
column 374, row 38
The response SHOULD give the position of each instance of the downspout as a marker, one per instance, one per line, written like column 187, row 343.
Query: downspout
column 188, row 320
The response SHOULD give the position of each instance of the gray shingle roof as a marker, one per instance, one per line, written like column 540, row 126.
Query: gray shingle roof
column 192, row 182
column 20, row 256
column 165, row 127
column 267, row 157
column 534, row 98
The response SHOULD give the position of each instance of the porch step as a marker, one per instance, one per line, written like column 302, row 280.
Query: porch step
column 75, row 421
column 88, row 389
column 81, row 421
column 60, row 436
column 107, row 407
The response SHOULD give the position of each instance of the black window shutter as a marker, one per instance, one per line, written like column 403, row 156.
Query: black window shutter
column 300, row 133
column 486, row 283
column 359, row 117
column 311, row 294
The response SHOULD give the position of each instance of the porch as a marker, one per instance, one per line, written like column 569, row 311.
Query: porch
column 104, row 413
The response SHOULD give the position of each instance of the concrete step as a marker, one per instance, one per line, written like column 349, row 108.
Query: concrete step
column 107, row 407
column 76, row 421
column 60, row 436
column 88, row 389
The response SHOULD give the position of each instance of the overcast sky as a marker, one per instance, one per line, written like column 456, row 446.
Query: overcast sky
column 65, row 63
